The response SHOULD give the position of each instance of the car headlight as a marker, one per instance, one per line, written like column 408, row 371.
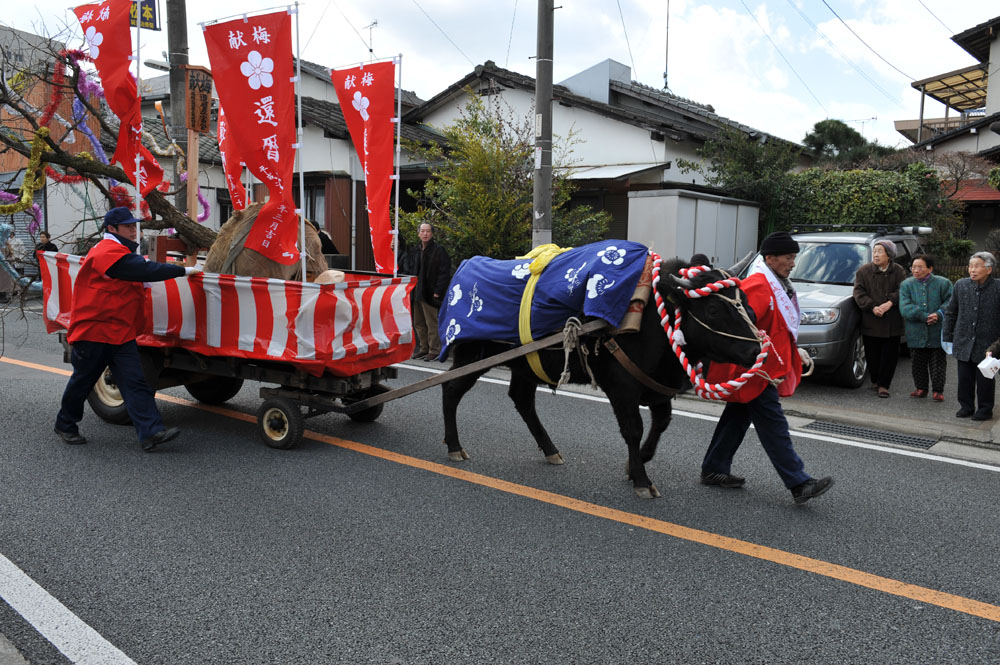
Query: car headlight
column 820, row 316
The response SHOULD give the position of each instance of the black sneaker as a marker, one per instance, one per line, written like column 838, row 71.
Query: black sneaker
column 964, row 413
column 72, row 438
column 811, row 489
column 982, row 415
column 418, row 356
column 722, row 479
column 162, row 436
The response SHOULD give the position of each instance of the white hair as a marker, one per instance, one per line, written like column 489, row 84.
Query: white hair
column 985, row 257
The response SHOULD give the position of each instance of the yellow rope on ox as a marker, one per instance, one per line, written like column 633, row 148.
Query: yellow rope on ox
column 541, row 256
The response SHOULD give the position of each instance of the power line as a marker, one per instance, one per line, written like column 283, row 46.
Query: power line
column 866, row 43
column 313, row 33
column 635, row 72
column 843, row 57
column 801, row 80
column 511, row 38
column 443, row 33
column 950, row 31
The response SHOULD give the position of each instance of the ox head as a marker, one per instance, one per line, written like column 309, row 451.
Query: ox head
column 716, row 326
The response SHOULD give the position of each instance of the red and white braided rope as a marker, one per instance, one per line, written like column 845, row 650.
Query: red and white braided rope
column 703, row 389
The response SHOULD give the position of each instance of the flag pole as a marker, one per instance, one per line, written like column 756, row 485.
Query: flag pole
column 399, row 123
column 298, row 148
column 138, row 155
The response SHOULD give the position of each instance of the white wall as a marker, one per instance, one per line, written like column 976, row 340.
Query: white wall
column 600, row 140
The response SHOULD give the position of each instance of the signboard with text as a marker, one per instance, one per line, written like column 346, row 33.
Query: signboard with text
column 149, row 15
column 198, row 83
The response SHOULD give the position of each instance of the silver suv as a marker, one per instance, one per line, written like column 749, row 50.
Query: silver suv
column 824, row 280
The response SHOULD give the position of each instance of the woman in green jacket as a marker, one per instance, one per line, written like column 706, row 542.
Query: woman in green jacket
column 922, row 299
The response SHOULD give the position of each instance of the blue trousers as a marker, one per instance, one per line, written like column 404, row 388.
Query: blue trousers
column 765, row 413
column 89, row 360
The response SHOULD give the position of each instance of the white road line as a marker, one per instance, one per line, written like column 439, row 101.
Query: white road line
column 798, row 433
column 53, row 620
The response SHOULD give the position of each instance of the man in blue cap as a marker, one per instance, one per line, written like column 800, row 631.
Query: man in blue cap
column 106, row 318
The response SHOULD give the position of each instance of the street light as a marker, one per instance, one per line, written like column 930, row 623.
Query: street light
column 157, row 64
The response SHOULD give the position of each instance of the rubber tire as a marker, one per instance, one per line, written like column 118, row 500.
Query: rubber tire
column 107, row 402
column 216, row 390
column 845, row 374
column 281, row 423
column 368, row 415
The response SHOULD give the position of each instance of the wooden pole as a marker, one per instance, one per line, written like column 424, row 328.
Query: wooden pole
column 192, row 171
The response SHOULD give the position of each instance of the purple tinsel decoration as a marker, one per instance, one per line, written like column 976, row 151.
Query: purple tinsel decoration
column 36, row 212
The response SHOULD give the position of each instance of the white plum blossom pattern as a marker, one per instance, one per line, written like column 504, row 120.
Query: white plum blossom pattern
column 258, row 70
column 597, row 285
column 360, row 104
column 476, row 303
column 456, row 295
column 612, row 256
column 454, row 328
column 94, row 40
column 521, row 270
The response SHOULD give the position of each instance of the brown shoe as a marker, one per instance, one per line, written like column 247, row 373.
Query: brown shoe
column 918, row 393
column 883, row 392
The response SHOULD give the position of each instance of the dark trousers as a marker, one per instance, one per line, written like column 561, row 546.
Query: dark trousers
column 972, row 384
column 89, row 360
column 764, row 411
column 933, row 361
column 882, row 354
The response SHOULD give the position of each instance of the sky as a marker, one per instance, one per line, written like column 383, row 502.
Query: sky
column 779, row 65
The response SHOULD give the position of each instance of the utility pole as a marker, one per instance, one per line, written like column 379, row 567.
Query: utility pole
column 177, row 47
column 541, row 220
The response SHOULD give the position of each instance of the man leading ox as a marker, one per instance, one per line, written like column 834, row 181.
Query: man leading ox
column 772, row 298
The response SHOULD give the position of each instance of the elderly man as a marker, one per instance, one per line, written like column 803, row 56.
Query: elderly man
column 971, row 324
column 775, row 307
column 433, row 268
column 106, row 317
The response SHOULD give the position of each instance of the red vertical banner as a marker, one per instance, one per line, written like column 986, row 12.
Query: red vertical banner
column 107, row 29
column 367, row 100
column 231, row 163
column 252, row 66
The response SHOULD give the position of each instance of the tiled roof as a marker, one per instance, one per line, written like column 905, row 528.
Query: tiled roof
column 972, row 190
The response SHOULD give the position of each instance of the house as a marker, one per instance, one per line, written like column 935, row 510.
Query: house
column 975, row 98
column 630, row 138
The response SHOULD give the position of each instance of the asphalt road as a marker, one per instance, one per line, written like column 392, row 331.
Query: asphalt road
column 366, row 546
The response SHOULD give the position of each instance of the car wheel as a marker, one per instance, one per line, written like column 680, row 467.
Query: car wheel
column 851, row 372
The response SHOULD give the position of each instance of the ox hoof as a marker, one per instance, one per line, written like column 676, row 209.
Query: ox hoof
column 458, row 455
column 555, row 458
column 647, row 492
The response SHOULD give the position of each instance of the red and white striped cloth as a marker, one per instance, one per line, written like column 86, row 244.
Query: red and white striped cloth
column 344, row 329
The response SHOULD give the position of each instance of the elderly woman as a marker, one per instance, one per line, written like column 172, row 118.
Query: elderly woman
column 876, row 292
column 922, row 299
column 971, row 323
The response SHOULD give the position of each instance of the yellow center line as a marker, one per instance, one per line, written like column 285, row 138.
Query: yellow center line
column 781, row 557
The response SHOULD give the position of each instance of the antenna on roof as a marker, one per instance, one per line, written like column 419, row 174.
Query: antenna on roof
column 666, row 55
column 373, row 24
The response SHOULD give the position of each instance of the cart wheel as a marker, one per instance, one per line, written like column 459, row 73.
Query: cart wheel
column 368, row 415
column 281, row 423
column 215, row 390
column 106, row 401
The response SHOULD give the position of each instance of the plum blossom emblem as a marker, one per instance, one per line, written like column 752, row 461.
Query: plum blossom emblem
column 612, row 256
column 258, row 70
column 454, row 328
column 597, row 285
column 94, row 40
column 360, row 104
column 456, row 295
column 476, row 303
column 521, row 270
column 573, row 276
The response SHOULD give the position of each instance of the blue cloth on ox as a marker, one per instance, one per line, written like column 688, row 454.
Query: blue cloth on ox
column 484, row 297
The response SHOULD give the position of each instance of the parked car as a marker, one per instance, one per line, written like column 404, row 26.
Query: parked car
column 824, row 281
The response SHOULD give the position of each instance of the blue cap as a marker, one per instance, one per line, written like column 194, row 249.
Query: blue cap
column 117, row 216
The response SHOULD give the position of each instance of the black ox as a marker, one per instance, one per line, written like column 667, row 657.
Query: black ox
column 714, row 328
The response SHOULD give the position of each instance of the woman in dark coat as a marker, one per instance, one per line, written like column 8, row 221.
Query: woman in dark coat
column 876, row 292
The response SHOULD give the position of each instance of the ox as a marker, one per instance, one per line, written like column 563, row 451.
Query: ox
column 715, row 329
